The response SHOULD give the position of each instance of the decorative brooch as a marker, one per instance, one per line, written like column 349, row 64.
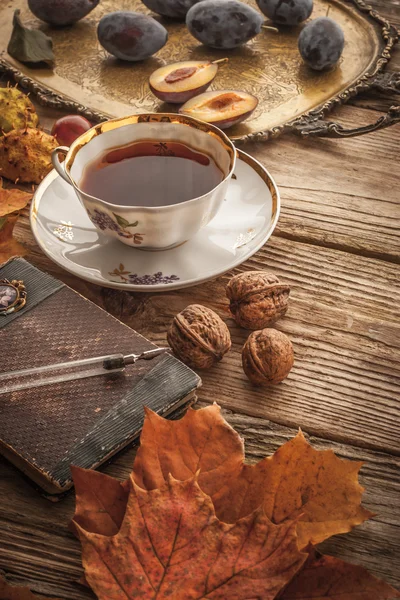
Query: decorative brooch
column 12, row 296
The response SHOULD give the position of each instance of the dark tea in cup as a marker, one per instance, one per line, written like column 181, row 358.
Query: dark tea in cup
column 150, row 174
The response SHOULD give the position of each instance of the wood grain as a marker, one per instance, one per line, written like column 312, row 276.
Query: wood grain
column 337, row 244
column 38, row 549
column 343, row 321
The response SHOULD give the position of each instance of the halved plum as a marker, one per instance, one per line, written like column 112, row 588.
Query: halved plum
column 178, row 82
column 223, row 108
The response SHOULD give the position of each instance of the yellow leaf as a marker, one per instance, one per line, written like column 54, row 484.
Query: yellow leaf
column 12, row 200
column 9, row 247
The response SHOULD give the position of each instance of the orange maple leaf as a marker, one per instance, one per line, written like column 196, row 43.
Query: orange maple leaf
column 315, row 487
column 297, row 481
column 12, row 200
column 328, row 578
column 16, row 592
column 100, row 501
column 9, row 247
column 171, row 545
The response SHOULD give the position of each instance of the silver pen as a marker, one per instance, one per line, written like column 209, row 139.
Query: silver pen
column 68, row 371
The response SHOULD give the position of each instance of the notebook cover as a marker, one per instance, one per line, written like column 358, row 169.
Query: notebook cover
column 82, row 422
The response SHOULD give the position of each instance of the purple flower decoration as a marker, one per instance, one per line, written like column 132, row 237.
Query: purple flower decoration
column 104, row 221
column 136, row 279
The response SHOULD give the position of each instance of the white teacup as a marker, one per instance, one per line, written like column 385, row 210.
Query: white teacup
column 146, row 226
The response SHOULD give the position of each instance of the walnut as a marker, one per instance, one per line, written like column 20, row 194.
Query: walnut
column 267, row 357
column 257, row 299
column 199, row 337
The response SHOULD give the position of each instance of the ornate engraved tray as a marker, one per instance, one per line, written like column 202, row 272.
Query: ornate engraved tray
column 87, row 80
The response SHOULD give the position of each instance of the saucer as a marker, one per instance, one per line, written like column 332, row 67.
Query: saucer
column 244, row 223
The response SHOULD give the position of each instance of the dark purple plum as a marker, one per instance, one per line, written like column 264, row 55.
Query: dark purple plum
column 175, row 9
column 223, row 24
column 131, row 36
column 61, row 12
column 286, row 12
column 321, row 43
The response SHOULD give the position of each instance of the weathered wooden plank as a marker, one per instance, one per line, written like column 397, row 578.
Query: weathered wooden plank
column 343, row 321
column 37, row 547
column 339, row 193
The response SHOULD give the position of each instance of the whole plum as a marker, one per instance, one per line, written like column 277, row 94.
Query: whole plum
column 223, row 24
column 61, row 12
column 175, row 9
column 286, row 12
column 131, row 36
column 321, row 43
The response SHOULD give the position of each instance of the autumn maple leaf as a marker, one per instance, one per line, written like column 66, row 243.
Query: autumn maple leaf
column 297, row 482
column 172, row 546
column 17, row 592
column 313, row 492
column 328, row 578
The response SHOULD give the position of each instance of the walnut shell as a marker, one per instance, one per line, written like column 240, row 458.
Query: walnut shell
column 199, row 337
column 257, row 299
column 267, row 356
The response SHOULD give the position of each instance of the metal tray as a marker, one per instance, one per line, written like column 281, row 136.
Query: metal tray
column 292, row 96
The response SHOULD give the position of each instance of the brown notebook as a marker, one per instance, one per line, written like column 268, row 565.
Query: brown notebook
column 82, row 422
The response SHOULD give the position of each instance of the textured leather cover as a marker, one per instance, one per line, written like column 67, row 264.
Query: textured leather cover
column 83, row 422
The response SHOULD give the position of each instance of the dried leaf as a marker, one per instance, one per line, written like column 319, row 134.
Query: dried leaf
column 297, row 482
column 201, row 441
column 216, row 463
column 171, row 545
column 9, row 247
column 11, row 592
column 29, row 46
column 100, row 501
column 12, row 200
column 325, row 577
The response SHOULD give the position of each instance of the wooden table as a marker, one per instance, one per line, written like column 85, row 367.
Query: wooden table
column 337, row 243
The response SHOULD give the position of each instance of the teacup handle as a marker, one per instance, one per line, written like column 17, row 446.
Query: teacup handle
column 59, row 167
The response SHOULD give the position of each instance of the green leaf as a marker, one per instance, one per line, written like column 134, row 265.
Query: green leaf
column 121, row 221
column 30, row 45
column 124, row 222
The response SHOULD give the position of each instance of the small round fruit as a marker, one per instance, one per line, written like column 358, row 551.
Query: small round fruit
column 131, row 36
column 175, row 9
column 61, row 12
column 223, row 24
column 223, row 108
column 67, row 129
column 179, row 82
column 321, row 43
column 267, row 357
column 286, row 12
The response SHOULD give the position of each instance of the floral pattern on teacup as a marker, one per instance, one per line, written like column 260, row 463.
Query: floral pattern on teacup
column 103, row 221
column 135, row 279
